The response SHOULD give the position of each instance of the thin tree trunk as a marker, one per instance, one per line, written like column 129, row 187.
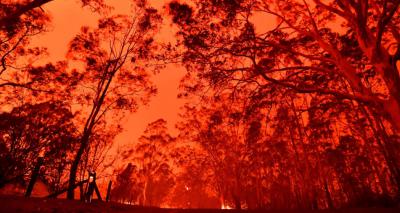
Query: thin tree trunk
column 74, row 167
column 382, row 144
column 144, row 193
column 328, row 195
column 90, row 123
column 306, row 173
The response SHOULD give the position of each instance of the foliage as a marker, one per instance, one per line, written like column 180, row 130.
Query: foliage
column 29, row 130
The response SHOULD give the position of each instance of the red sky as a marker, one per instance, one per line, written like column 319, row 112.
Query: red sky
column 67, row 19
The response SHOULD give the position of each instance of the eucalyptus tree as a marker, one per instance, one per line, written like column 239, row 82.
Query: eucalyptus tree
column 113, row 59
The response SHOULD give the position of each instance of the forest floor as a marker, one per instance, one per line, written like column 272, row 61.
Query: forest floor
column 20, row 204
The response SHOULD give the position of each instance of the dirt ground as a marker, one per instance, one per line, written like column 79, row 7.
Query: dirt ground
column 20, row 204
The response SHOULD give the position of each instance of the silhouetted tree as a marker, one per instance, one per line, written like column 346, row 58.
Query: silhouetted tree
column 322, row 74
column 114, row 70
column 152, row 157
column 29, row 130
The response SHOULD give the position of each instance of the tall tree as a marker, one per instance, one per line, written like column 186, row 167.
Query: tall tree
column 354, row 41
column 319, row 63
column 113, row 57
column 152, row 153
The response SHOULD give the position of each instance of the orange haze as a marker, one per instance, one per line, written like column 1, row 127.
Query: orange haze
column 67, row 19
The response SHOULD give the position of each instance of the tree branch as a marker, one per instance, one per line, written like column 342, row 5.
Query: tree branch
column 22, row 10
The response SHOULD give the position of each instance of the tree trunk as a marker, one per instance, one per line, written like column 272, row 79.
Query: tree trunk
column 328, row 195
column 392, row 106
column 144, row 193
column 90, row 123
column 386, row 66
column 238, row 205
column 314, row 202
column 74, row 166
column 382, row 141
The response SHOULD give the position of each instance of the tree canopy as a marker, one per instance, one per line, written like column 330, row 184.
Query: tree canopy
column 288, row 104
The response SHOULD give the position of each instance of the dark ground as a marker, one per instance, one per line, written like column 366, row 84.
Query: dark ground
column 20, row 204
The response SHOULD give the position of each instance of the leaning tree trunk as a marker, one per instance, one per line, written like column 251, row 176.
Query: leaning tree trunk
column 84, row 142
column 74, row 166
